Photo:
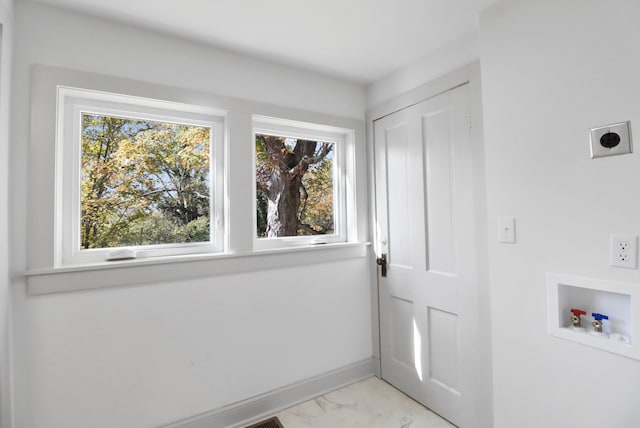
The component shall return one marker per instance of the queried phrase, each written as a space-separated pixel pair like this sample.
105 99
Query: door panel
424 206
401 322
396 155
436 141
443 352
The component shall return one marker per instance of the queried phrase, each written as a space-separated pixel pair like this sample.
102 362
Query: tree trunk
284 201
285 181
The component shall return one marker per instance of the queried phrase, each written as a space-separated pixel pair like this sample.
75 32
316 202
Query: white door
425 216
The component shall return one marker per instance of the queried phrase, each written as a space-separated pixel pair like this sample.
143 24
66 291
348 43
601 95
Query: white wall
146 355
6 47
54 37
8 5
436 64
552 70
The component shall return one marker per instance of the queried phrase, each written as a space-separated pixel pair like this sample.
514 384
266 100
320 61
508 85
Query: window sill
172 268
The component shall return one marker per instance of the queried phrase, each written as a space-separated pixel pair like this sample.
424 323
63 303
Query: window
300 184
67 105
137 177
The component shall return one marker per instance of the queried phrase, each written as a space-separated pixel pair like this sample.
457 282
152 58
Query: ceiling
357 40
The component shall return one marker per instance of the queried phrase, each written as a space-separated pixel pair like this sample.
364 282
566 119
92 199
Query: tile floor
372 403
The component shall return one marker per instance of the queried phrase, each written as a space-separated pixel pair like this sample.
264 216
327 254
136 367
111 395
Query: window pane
294 179
143 182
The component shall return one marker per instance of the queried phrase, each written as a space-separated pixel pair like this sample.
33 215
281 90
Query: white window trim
343 180
72 102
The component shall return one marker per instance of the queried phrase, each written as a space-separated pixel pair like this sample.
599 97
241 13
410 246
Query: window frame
72 103
342 176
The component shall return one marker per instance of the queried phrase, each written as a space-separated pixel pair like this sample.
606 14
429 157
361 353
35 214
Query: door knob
382 262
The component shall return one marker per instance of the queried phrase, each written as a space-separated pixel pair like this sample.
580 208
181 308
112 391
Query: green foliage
195 231
317 207
262 204
143 182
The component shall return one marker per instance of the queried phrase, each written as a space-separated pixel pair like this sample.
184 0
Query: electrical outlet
624 251
622 257
623 245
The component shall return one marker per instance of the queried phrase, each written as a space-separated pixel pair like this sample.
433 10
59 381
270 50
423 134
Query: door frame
469 74
6 363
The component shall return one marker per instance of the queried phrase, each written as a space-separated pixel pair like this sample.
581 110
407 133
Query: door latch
382 262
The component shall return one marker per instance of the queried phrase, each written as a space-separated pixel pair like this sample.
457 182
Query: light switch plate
507 230
611 140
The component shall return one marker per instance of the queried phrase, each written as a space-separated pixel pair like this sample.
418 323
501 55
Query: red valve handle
578 312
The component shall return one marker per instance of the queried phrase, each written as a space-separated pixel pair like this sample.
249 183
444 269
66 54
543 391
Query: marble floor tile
372 403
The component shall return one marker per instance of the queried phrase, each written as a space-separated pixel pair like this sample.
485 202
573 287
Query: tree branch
305 161
262 186
308 228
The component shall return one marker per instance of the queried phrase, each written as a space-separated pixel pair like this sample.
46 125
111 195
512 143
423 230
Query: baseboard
377 367
247 411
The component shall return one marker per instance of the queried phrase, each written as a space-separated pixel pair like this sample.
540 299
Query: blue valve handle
599 317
